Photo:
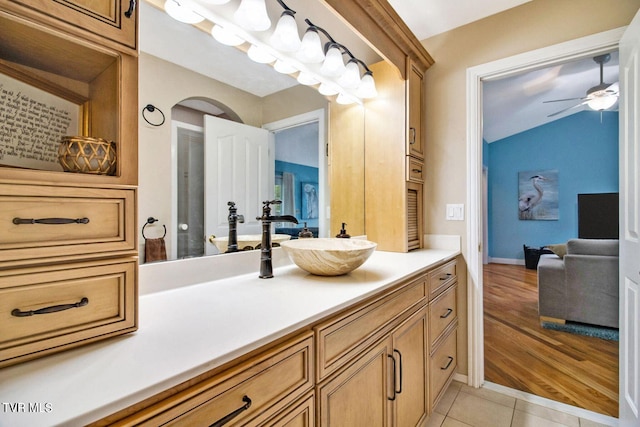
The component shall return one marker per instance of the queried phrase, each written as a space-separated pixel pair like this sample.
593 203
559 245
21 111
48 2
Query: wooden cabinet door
411 358
360 395
114 20
415 103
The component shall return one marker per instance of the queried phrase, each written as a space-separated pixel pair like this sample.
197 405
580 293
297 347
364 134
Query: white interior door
237 169
630 225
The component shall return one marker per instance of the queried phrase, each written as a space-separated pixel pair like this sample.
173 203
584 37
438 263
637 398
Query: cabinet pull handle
448 363
445 277
132 7
416 171
400 364
394 377
222 421
412 138
16 312
50 221
447 314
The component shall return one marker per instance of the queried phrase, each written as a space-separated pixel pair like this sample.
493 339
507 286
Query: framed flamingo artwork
538 195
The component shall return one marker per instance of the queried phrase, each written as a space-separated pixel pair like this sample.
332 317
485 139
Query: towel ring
151 220
151 108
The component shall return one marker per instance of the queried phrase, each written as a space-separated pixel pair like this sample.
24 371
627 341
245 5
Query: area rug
601 332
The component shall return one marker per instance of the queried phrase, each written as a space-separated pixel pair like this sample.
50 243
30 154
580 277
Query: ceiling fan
600 97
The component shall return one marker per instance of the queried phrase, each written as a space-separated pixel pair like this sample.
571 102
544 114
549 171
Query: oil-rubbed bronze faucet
234 219
266 267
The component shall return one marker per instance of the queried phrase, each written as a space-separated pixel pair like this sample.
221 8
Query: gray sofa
582 286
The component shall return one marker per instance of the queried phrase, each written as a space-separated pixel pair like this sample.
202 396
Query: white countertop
186 331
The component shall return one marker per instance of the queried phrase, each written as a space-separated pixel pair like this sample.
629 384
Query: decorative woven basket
87 155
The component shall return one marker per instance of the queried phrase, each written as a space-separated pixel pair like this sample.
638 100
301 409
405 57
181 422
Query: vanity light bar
292 56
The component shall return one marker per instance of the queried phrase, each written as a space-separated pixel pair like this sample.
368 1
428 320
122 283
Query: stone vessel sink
247 241
328 256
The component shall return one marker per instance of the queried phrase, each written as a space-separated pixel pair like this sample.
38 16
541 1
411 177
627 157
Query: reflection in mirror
180 74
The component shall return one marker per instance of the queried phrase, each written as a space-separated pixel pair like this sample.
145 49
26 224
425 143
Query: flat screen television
598 216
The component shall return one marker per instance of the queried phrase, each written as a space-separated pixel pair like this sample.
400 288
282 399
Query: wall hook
151 108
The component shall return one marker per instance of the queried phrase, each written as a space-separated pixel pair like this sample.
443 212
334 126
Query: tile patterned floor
464 406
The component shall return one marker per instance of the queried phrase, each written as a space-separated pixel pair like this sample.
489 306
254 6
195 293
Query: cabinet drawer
345 336
415 170
441 278
300 414
442 366
442 311
48 309
38 222
271 382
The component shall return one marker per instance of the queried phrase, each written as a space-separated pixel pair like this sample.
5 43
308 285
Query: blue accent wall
302 174
583 148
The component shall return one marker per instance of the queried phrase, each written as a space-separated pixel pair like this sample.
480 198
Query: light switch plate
455 212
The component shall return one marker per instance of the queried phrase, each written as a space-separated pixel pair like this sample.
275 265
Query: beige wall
533 25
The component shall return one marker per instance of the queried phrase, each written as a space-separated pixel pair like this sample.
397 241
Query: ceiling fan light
225 36
181 12
252 15
307 79
333 65
260 55
311 47
350 79
600 103
367 88
285 37
284 67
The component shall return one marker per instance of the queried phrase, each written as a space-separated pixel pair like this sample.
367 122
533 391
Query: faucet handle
231 204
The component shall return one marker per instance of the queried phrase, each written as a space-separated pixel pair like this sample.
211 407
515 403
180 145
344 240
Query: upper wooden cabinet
394 158
415 107
111 20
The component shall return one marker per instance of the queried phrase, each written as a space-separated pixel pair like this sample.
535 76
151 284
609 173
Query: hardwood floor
577 370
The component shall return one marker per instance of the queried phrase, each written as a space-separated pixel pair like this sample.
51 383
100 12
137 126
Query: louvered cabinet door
414 215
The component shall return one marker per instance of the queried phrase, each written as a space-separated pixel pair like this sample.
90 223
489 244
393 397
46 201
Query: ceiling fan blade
567 109
613 88
566 99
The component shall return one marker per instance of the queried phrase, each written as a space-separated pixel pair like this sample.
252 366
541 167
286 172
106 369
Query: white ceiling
519 96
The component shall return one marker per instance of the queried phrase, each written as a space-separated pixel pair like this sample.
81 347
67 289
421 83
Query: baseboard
552 404
510 261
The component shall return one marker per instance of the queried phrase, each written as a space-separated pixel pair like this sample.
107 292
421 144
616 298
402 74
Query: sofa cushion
560 249
607 247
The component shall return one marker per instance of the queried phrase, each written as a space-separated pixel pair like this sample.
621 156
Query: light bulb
285 37
344 99
225 36
311 47
259 54
252 15
307 79
367 88
284 67
333 66
350 79
181 12
328 89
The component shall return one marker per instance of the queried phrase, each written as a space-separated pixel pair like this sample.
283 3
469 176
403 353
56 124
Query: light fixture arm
286 8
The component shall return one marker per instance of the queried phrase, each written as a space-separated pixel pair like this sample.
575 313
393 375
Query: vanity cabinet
386 385
68 241
394 158
265 390
106 21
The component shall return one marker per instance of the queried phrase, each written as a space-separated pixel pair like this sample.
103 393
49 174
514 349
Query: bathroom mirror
185 74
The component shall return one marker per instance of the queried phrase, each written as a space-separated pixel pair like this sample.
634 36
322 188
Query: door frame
323 187
588 46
